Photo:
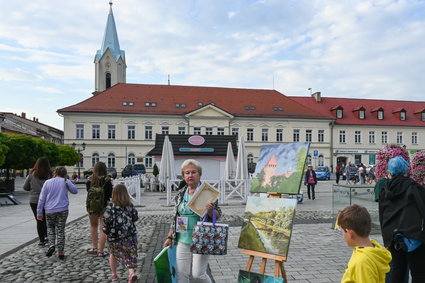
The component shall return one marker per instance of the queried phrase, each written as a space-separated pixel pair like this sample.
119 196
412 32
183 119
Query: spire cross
110 3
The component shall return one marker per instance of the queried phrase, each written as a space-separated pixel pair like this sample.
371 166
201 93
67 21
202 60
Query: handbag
210 238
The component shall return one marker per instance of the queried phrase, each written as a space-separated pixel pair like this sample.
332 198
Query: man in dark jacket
402 213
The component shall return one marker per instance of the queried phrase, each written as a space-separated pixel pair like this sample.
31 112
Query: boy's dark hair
356 218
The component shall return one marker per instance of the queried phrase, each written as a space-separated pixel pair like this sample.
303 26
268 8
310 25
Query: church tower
110 66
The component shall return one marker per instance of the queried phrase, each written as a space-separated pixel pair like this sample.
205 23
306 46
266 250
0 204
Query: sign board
196 140
316 153
195 149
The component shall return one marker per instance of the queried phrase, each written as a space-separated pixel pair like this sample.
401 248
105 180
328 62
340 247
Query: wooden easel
279 269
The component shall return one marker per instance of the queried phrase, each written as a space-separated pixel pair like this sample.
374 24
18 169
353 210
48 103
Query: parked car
323 173
133 170
112 172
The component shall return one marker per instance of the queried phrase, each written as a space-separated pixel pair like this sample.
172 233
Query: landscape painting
267 225
252 277
280 168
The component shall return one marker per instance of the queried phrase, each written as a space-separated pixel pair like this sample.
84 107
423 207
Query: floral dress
121 232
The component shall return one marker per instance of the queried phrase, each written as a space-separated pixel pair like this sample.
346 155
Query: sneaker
50 251
41 244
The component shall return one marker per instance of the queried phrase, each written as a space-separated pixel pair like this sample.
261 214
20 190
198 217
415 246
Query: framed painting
252 277
201 198
280 168
267 225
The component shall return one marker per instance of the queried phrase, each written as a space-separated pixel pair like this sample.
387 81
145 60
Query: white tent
230 165
241 161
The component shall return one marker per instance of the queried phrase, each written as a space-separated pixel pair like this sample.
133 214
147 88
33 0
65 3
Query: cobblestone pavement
316 253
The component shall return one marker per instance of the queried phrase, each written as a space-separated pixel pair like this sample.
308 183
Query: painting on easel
252 277
280 168
267 225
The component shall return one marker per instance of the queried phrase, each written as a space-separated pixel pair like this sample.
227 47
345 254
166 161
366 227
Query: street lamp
79 150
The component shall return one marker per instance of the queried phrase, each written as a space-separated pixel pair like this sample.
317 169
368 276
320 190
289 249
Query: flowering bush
385 154
417 167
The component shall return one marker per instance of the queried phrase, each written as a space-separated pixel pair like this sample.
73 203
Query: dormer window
339 113
403 115
423 115
381 114
362 114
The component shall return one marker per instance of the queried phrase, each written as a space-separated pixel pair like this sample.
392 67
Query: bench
11 197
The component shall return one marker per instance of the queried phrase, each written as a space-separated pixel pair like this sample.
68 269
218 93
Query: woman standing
33 183
310 181
54 199
120 216
99 191
402 219
185 260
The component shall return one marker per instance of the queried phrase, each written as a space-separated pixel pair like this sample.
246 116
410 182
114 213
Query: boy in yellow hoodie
370 261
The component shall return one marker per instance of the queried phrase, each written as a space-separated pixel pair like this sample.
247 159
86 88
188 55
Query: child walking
119 218
54 200
369 261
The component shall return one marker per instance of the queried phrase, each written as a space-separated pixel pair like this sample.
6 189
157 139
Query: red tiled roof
325 106
267 103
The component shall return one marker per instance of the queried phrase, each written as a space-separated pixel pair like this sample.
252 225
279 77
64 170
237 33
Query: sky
353 49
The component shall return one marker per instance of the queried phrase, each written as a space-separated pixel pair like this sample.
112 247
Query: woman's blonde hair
120 195
191 162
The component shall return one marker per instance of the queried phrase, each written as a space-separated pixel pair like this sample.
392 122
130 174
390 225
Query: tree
155 171
3 148
67 155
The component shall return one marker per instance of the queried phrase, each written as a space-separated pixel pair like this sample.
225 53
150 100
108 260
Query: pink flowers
385 154
417 167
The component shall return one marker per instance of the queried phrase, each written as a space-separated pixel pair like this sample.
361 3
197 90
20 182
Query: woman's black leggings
41 224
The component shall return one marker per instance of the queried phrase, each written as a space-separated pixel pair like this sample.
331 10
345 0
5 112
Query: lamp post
79 150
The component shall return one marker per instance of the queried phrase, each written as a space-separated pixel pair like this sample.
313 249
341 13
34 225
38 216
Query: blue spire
110 39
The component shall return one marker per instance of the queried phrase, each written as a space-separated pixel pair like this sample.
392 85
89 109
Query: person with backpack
99 192
120 216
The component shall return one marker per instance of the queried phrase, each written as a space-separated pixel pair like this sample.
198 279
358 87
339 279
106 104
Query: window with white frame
111 132
362 114
95 130
165 130
371 137
79 131
279 135
131 132
111 160
250 134
296 135
131 158
181 130
415 138
308 135
235 131
94 159
220 131
423 115
403 115
321 136
250 158
264 134
321 160
148 161
380 114
197 130
342 136
148 132
309 159
357 137
384 137
339 113
208 131
399 137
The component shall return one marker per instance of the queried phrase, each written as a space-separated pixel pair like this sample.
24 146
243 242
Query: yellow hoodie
368 265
